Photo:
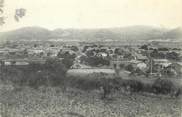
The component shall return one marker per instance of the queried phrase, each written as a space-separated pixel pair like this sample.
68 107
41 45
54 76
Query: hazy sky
94 13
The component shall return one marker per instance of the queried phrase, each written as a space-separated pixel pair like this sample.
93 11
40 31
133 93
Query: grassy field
70 102
85 72
46 93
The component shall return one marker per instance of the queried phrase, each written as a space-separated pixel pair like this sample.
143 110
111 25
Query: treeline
37 74
163 53
110 85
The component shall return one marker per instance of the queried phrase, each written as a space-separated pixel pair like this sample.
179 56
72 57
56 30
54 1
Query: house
162 62
134 63
102 54
21 63
138 64
142 66
3 52
35 51
14 62
176 66
7 63
140 57
52 52
159 64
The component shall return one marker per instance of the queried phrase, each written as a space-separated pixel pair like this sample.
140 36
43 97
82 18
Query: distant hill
174 33
27 33
125 33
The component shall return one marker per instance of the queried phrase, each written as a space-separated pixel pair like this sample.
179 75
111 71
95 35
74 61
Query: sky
54 14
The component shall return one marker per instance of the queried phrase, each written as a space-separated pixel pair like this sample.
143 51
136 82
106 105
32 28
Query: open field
85 72
56 102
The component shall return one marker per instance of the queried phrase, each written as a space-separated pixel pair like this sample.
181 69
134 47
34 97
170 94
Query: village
152 58
90 58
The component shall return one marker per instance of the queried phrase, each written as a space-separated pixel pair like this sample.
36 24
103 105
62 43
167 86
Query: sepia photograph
90 58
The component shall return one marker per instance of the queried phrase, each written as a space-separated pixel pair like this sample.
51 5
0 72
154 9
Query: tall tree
19 13
1 12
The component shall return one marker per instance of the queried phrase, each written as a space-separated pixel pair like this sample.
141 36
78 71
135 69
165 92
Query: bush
133 85
35 74
163 86
56 66
129 68
84 83
96 61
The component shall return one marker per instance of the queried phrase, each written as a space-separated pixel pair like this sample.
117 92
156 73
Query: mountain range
112 34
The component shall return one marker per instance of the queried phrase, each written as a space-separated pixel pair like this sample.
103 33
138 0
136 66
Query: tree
128 56
19 13
85 48
156 54
95 60
172 56
90 53
52 45
51 73
121 66
145 47
25 52
2 20
68 62
129 68
68 58
74 48
66 54
1 12
118 51
163 49
55 65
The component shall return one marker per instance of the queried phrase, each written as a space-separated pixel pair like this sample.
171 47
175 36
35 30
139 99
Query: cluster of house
134 57
25 53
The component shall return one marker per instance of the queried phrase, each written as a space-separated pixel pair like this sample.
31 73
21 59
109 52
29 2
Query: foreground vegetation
45 90
70 102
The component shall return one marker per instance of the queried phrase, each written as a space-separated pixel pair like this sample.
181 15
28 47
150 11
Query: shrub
84 83
129 68
147 87
132 85
163 86
35 74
